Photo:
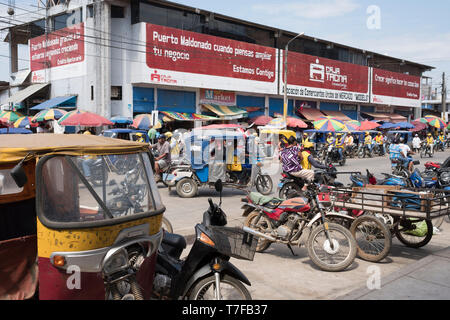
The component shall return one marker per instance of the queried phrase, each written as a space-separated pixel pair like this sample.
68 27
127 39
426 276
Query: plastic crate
235 242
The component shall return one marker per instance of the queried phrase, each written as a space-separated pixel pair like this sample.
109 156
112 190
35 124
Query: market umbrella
261 120
418 126
368 125
329 124
11 116
143 121
87 119
388 125
295 122
23 122
435 121
121 120
352 124
404 125
69 114
48 114
277 122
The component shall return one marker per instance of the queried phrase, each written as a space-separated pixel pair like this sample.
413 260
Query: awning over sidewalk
187 116
226 112
397 118
337 114
378 116
21 95
311 114
61 102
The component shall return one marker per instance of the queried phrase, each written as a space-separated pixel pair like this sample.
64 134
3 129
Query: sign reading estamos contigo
185 51
61 47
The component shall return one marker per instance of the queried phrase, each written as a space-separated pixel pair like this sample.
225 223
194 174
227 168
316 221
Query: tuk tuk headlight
118 261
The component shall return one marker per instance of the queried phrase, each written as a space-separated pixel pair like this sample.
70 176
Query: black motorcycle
364 151
351 151
206 272
425 149
378 149
333 156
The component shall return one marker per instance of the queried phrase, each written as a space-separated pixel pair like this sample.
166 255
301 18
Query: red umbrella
88 119
296 122
368 125
261 120
418 125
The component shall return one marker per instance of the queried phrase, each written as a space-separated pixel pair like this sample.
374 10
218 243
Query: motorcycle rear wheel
262 225
327 258
205 289
287 187
264 184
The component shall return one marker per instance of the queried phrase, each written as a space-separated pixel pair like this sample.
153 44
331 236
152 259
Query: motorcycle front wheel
230 289
335 257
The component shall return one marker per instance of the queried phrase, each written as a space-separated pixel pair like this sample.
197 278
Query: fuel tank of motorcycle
298 204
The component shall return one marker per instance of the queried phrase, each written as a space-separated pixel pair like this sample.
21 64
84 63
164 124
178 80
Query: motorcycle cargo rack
235 242
412 203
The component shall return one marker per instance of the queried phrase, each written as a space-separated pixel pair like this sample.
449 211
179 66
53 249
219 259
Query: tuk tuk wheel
264 184
187 188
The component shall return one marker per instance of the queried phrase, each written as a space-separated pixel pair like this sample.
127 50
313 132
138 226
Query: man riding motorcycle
348 144
398 151
340 145
291 158
330 138
430 141
162 162
441 140
305 139
379 140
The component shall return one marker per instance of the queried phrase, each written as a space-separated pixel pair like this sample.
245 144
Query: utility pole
444 96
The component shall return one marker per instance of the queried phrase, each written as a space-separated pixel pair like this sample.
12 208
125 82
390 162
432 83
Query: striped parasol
48 114
69 114
181 116
143 121
328 123
11 116
435 121
23 122
353 124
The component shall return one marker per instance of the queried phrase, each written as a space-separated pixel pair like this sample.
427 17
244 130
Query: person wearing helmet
291 159
379 140
305 139
307 160
340 145
330 138
441 140
430 141
162 162
140 137
368 140
349 142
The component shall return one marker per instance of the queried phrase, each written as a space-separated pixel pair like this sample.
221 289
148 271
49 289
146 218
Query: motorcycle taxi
61 236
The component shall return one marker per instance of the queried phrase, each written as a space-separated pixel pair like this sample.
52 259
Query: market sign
326 79
220 97
185 58
392 88
64 47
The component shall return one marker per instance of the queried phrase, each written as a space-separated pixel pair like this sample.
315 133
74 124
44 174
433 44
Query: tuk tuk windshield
96 187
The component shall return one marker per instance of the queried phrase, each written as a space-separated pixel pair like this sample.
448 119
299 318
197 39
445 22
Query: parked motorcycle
206 272
299 221
439 145
333 156
351 151
377 149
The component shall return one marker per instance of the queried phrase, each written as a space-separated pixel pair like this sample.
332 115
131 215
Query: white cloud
317 9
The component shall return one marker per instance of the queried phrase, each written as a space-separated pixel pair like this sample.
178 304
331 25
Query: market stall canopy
397 118
337 114
17 146
404 125
378 116
387 125
21 95
88 119
61 102
311 114
226 112
187 116
368 125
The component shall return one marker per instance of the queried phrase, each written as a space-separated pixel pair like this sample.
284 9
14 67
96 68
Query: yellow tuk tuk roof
14 147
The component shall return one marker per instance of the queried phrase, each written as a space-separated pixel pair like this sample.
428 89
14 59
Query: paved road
277 274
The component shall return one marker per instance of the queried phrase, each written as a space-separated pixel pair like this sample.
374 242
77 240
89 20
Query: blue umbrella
388 125
404 125
121 120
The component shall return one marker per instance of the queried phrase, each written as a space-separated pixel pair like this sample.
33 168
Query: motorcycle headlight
118 261
445 177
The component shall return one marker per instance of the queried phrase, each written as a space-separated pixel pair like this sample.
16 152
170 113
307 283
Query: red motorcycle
297 221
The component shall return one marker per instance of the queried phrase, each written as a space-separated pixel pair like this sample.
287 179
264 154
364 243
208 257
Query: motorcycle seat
173 243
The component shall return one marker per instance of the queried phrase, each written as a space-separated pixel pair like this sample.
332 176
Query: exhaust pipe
258 234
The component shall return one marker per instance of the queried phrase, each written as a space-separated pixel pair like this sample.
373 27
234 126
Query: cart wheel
404 230
373 238
186 188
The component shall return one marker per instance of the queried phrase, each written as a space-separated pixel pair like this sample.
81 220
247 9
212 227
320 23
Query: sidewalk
426 279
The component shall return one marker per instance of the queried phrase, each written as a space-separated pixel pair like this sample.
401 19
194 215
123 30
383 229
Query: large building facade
120 58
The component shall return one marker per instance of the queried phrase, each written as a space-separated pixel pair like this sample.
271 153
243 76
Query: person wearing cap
140 137
162 162
308 161
305 139
368 140
330 138
379 140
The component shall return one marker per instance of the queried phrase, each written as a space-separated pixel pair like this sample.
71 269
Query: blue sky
414 30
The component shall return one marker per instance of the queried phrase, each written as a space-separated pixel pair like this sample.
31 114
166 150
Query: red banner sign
62 47
393 84
310 76
185 51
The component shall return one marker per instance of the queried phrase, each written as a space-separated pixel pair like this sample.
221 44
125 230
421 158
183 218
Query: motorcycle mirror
218 185
19 175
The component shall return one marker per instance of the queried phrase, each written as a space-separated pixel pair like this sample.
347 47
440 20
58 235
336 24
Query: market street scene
189 150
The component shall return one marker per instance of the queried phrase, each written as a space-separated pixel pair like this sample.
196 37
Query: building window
67 19
116 93
90 11
92 93
117 12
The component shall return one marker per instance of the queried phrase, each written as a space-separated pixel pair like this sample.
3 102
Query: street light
285 75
